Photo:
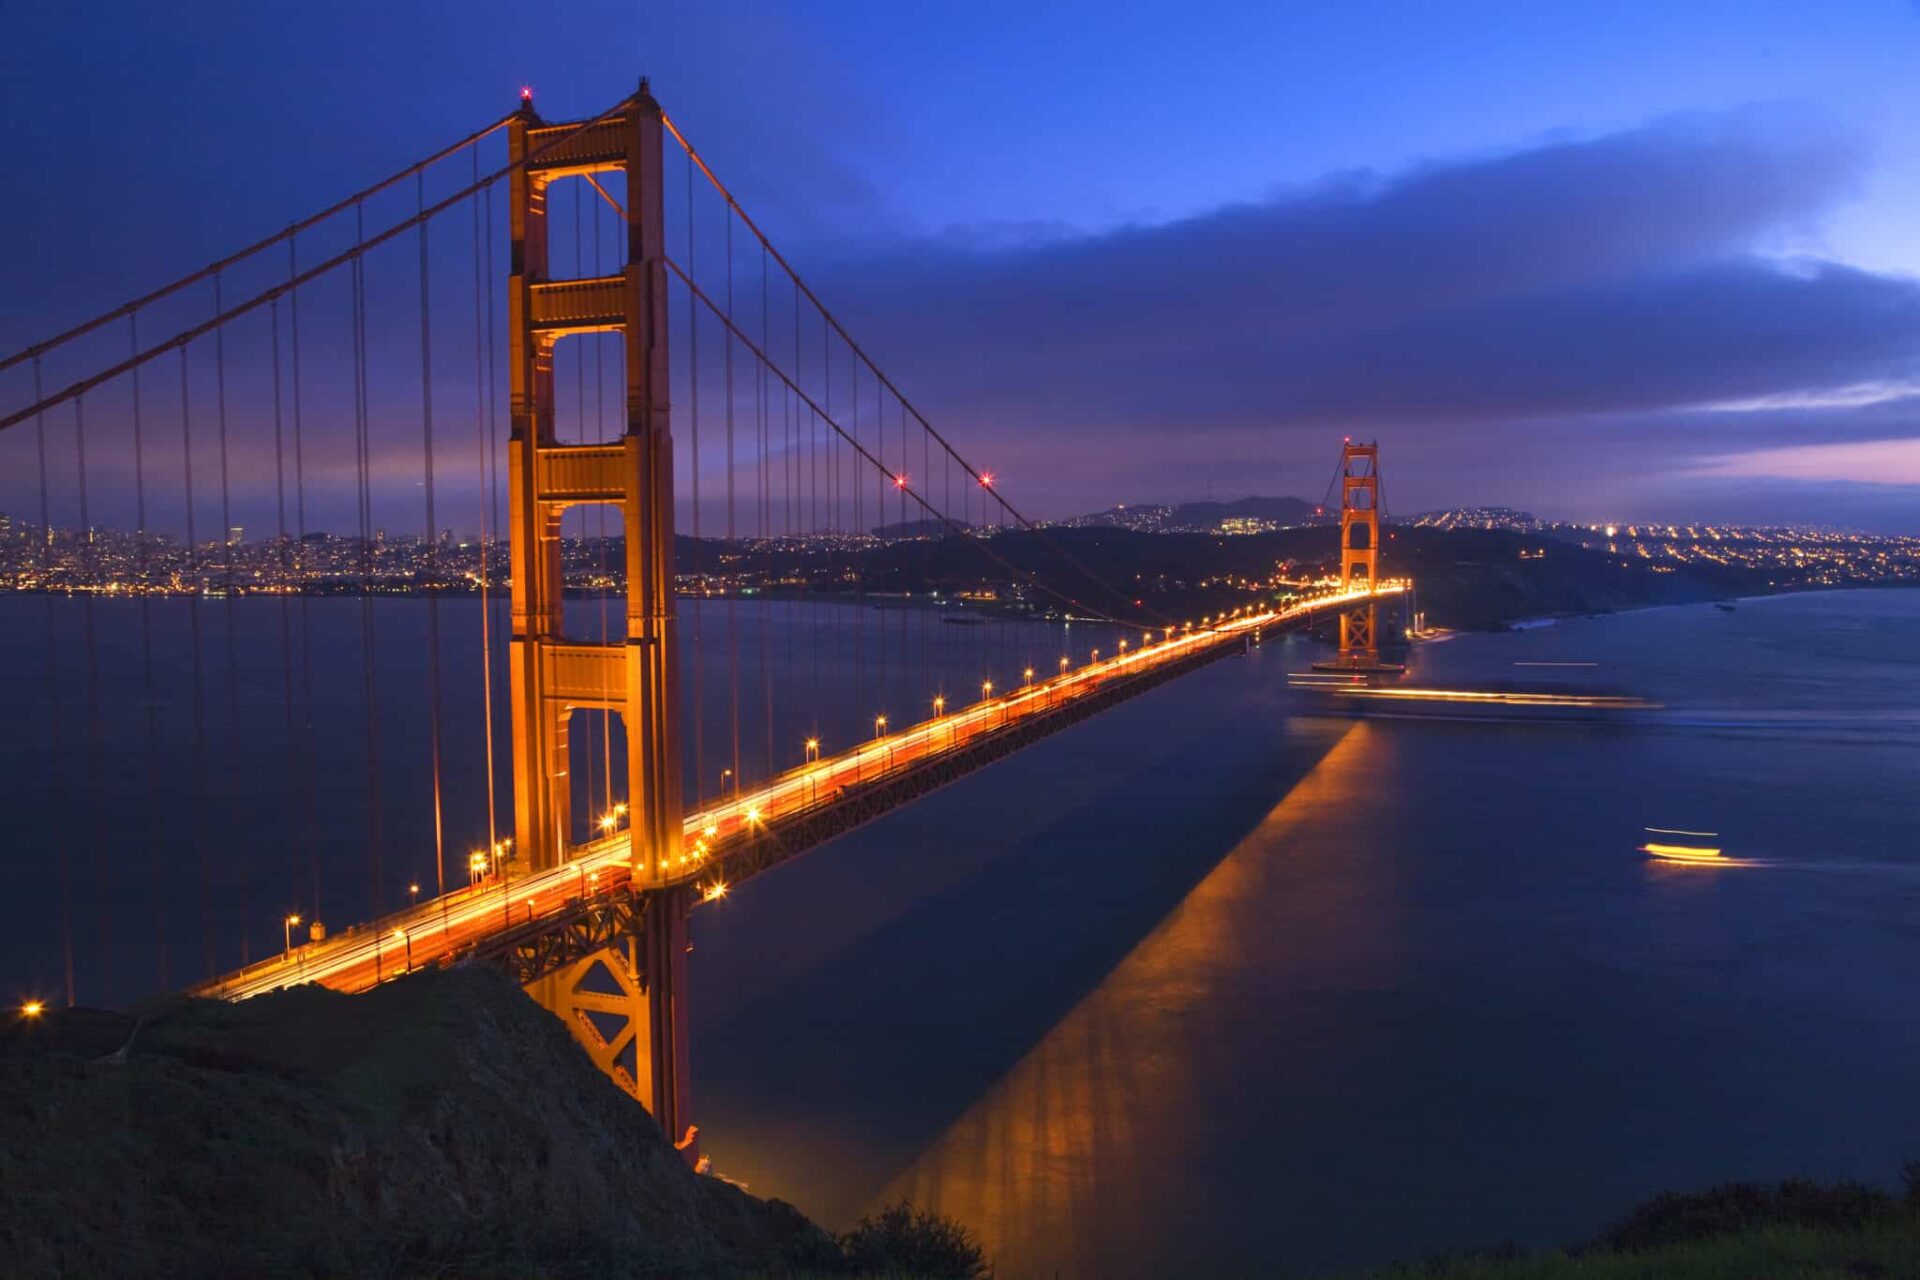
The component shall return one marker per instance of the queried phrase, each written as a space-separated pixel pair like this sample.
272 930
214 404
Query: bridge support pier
626 1004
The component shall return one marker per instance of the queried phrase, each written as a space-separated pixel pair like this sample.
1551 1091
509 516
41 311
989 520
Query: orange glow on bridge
362 957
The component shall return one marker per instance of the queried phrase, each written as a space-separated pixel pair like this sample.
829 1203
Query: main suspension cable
862 452
354 252
982 478
293 229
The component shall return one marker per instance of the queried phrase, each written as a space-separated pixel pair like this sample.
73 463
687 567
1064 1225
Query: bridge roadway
467 919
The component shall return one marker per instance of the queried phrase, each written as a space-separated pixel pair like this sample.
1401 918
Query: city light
33 1008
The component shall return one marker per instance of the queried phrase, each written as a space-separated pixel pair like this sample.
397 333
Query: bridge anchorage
1359 478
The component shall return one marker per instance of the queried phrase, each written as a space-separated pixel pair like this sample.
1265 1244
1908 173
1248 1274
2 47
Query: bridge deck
794 812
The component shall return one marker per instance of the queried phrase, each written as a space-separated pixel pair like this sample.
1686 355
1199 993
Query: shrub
918 1242
1674 1218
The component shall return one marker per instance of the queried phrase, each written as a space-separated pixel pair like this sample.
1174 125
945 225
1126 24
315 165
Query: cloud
1571 301
1508 275
1887 462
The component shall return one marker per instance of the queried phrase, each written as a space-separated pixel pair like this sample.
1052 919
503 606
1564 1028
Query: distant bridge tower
625 1003
1360 550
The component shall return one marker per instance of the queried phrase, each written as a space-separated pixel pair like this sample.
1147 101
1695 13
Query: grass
1886 1249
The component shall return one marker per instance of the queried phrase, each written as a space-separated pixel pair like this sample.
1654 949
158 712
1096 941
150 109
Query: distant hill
928 528
1208 515
1242 515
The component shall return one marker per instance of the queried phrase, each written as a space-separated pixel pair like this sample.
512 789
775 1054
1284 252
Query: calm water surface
1213 984
1217 985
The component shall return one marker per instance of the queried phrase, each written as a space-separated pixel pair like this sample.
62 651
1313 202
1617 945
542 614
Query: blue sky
1625 260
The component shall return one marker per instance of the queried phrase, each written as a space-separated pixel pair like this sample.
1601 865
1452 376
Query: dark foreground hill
442 1125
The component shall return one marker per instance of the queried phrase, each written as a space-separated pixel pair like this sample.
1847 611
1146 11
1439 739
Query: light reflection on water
1060 1140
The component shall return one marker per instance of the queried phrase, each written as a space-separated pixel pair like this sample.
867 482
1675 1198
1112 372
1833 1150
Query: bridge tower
1360 550
626 1004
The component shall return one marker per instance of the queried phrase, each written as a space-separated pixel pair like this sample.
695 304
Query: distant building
236 534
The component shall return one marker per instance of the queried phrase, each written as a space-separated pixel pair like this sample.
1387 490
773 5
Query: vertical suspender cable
94 730
858 560
369 679
733 605
699 547
493 483
762 611
308 753
201 839
237 755
59 789
155 860
482 389
289 720
433 548
791 422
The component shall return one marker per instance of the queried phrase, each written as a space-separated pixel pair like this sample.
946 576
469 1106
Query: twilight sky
1625 260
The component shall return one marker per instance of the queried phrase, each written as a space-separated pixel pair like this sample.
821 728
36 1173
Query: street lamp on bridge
287 930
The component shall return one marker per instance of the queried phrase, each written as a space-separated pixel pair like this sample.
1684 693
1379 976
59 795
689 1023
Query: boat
1667 851
1359 694
1680 852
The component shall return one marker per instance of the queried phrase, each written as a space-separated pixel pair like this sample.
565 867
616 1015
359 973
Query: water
1217 987
1212 984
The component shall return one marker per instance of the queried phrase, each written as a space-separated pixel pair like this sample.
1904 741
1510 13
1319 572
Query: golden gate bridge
609 832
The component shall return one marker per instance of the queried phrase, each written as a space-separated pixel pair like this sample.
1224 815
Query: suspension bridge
651 757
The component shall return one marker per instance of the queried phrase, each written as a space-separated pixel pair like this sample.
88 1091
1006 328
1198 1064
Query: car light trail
362 957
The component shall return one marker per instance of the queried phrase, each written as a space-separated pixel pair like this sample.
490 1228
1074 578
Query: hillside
441 1125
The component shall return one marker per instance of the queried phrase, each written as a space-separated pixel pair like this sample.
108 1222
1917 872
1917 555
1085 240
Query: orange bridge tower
626 1001
1359 477
1360 550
